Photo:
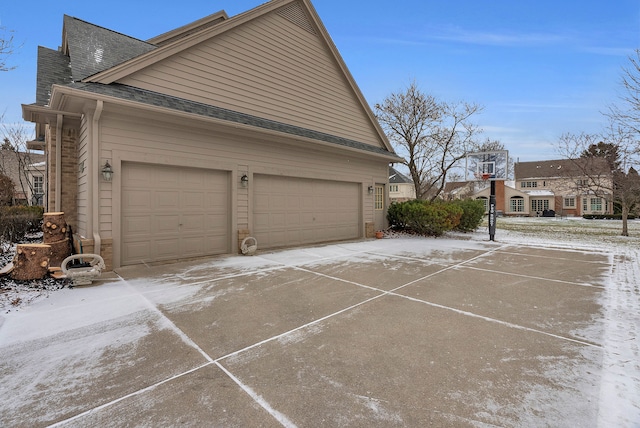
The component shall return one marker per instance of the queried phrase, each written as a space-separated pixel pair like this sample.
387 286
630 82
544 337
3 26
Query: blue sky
540 68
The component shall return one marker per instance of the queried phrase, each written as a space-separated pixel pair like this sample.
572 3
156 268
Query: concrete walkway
392 332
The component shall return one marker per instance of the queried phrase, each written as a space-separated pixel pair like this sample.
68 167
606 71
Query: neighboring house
540 188
566 187
215 131
458 190
509 200
26 170
401 187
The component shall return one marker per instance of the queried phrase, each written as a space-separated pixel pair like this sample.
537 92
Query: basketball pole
492 211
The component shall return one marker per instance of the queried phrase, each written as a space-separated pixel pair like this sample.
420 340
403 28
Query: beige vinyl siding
270 68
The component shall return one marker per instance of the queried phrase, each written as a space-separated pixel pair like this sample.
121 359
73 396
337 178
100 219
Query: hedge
17 221
435 218
607 217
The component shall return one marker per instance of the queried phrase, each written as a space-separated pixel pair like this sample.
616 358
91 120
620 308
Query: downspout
58 191
94 177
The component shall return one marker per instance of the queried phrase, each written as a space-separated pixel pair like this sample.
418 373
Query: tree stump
54 227
60 250
31 261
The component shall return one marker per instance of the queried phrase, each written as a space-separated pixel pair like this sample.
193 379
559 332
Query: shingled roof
93 49
560 168
53 69
396 177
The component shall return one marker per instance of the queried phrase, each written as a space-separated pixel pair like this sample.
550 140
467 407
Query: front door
380 213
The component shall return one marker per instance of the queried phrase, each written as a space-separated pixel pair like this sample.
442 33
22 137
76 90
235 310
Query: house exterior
216 131
509 200
401 187
557 187
27 171
571 187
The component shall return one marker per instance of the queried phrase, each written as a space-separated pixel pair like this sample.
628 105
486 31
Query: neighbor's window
539 205
379 204
584 204
486 203
38 184
393 187
524 184
570 202
596 204
517 204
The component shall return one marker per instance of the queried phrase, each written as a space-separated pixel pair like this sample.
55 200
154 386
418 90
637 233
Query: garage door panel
170 213
137 200
313 210
139 225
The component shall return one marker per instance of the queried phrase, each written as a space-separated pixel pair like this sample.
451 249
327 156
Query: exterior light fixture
370 190
244 180
107 171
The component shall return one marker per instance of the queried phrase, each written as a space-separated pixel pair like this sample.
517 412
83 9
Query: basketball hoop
484 176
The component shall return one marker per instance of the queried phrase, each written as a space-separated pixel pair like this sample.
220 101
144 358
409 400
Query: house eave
74 99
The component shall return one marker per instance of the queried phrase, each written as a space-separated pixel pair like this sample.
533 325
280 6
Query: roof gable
92 49
275 61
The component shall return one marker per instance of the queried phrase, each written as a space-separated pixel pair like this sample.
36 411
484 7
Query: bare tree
627 113
603 165
6 48
432 134
15 156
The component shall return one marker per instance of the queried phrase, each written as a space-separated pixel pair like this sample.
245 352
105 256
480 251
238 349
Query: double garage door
289 211
172 213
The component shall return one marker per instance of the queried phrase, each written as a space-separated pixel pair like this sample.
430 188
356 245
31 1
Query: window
486 203
525 184
570 202
38 184
379 201
596 204
539 205
584 204
393 187
516 204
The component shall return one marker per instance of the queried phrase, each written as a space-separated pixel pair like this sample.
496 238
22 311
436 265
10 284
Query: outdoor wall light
244 180
370 190
107 171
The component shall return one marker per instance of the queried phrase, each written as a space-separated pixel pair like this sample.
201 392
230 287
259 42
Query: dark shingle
559 168
93 49
396 177
53 69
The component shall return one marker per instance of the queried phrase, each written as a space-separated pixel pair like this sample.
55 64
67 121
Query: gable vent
295 14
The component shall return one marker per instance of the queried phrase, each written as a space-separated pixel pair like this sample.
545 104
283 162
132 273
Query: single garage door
294 211
171 213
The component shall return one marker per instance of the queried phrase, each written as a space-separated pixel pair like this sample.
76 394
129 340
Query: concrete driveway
392 332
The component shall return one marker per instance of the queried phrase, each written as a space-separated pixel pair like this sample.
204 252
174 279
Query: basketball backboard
483 166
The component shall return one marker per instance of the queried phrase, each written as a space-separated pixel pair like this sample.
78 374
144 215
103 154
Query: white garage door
293 211
171 213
